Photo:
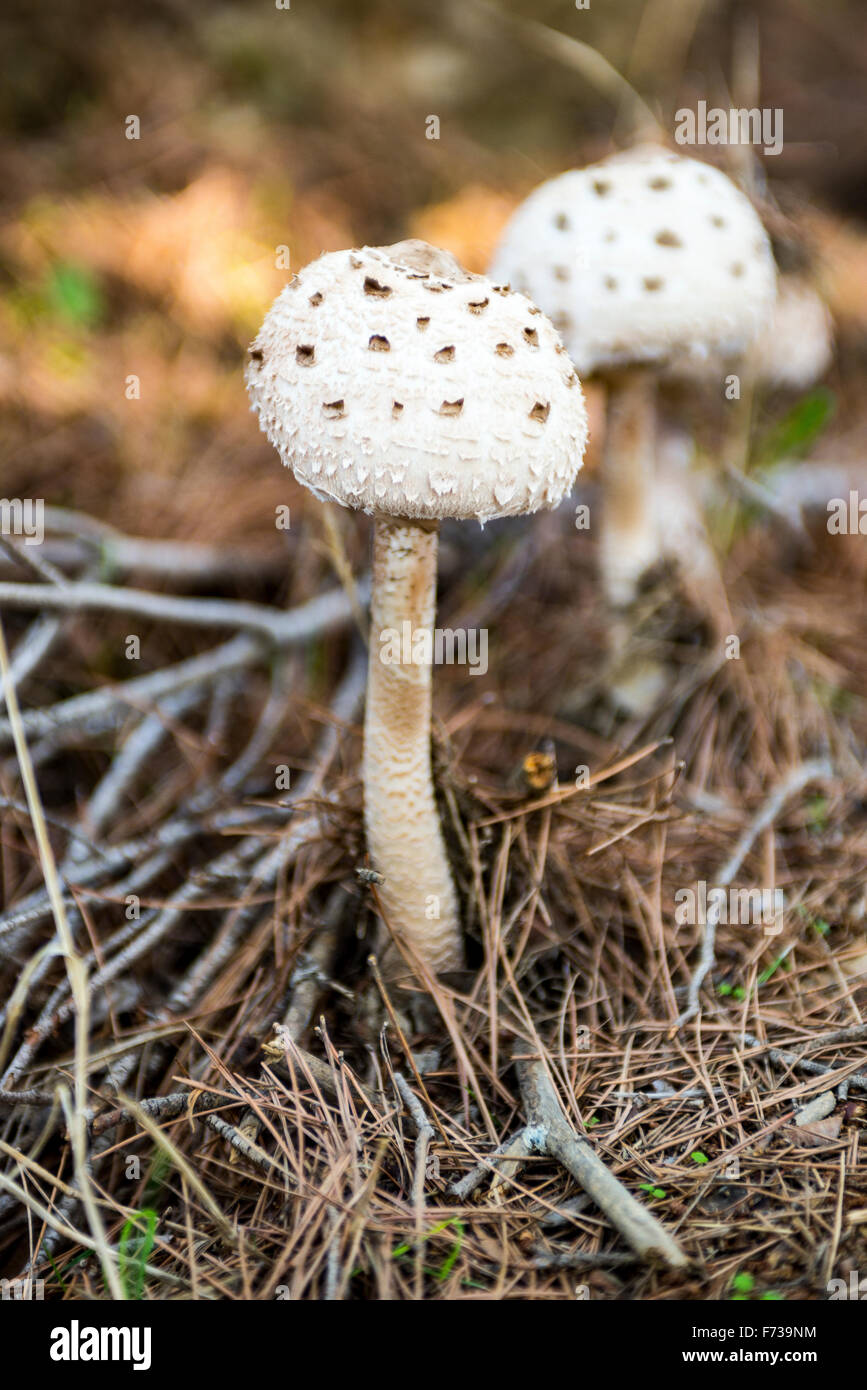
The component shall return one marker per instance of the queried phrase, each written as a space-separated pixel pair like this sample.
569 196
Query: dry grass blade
75 1110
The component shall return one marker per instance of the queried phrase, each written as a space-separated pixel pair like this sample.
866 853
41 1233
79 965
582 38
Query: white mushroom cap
391 380
793 352
645 257
797 347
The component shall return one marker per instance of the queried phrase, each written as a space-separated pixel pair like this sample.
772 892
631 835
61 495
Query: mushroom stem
403 828
629 539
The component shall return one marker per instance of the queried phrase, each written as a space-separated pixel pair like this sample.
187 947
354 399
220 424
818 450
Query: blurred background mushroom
643 261
796 348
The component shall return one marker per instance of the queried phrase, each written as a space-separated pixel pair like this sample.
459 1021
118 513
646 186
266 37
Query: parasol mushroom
644 261
396 383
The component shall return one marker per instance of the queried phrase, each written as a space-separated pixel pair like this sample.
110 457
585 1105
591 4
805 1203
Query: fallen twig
99 711
83 597
425 1133
549 1132
799 1062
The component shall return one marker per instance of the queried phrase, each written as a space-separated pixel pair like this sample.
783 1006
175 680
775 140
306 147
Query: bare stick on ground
99 711
549 1132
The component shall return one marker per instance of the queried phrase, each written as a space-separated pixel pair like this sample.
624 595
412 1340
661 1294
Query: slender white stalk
403 828
629 543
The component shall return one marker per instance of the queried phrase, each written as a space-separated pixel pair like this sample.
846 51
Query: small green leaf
134 1247
59 1277
743 1283
450 1260
443 1272
74 294
724 989
771 970
799 428
699 1157
655 1192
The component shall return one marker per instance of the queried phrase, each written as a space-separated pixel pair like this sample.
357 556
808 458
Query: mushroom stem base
404 835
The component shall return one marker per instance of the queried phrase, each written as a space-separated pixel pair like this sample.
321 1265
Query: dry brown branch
549 1132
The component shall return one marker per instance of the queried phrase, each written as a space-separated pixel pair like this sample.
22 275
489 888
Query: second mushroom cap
644 257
